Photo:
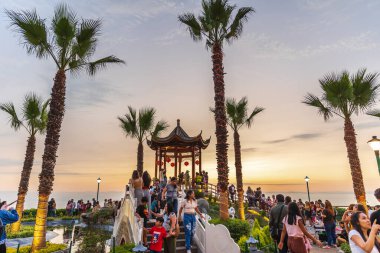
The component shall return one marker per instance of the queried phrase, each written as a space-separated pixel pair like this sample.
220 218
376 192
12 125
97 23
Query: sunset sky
285 48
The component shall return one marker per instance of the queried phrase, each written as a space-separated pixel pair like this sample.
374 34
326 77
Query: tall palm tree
70 42
217 25
237 117
139 127
34 120
343 95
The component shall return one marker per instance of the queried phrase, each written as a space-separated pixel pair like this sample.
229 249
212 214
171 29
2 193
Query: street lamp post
97 194
307 179
374 143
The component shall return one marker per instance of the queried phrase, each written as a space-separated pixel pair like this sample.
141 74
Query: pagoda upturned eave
178 137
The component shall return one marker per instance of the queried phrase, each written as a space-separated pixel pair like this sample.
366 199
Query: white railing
212 238
200 235
136 226
127 216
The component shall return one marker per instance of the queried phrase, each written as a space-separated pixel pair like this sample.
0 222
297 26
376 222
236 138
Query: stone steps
180 242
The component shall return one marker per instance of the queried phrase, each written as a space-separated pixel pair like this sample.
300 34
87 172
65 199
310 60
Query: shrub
237 227
93 240
199 194
345 247
50 248
25 231
126 248
262 234
101 217
242 243
339 213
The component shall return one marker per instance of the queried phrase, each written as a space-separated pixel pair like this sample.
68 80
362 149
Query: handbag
274 231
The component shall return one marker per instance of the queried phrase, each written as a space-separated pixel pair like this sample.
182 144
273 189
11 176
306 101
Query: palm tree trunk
53 129
140 158
24 181
239 174
353 157
220 128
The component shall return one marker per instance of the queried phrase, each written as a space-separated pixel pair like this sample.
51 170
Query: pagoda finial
178 122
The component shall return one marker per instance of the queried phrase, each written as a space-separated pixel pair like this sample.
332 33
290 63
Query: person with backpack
8 215
277 214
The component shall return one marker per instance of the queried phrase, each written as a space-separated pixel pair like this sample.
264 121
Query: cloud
248 150
305 136
171 37
266 47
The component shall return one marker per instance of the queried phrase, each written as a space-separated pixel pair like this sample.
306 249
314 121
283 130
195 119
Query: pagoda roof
179 138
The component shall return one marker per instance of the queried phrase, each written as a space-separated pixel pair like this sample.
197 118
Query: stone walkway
320 250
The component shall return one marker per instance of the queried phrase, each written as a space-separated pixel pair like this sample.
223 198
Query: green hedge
50 248
126 248
345 247
237 227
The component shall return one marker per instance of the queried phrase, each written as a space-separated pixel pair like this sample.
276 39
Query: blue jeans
189 223
174 201
330 232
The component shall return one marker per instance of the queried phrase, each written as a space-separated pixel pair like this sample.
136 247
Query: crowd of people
158 199
288 221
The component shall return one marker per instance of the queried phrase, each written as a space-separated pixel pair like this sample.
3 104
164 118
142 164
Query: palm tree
69 42
139 127
217 25
34 119
237 116
343 95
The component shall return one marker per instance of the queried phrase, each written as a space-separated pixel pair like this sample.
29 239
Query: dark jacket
274 212
7 217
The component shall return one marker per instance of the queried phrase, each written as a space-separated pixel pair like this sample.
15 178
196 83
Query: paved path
320 250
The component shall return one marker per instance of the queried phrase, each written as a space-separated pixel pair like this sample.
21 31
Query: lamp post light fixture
307 179
97 194
374 143
251 245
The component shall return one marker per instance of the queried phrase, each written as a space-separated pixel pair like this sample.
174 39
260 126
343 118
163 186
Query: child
158 234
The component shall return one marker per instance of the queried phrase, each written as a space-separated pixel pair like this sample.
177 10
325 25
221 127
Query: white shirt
355 248
189 206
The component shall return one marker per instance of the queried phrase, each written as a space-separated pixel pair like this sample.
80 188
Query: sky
286 46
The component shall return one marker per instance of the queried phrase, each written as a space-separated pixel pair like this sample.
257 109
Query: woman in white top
190 207
362 237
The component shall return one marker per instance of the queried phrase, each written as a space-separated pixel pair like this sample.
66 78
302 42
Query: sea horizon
31 200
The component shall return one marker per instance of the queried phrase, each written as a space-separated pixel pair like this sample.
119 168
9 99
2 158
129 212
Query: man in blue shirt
7 216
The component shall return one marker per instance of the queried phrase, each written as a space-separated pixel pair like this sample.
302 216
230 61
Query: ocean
61 198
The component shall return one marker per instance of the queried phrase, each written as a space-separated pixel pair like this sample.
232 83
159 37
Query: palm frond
231 112
31 110
95 66
236 27
64 25
255 111
323 109
146 119
160 127
9 108
33 31
365 90
86 39
375 113
129 123
42 122
193 25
